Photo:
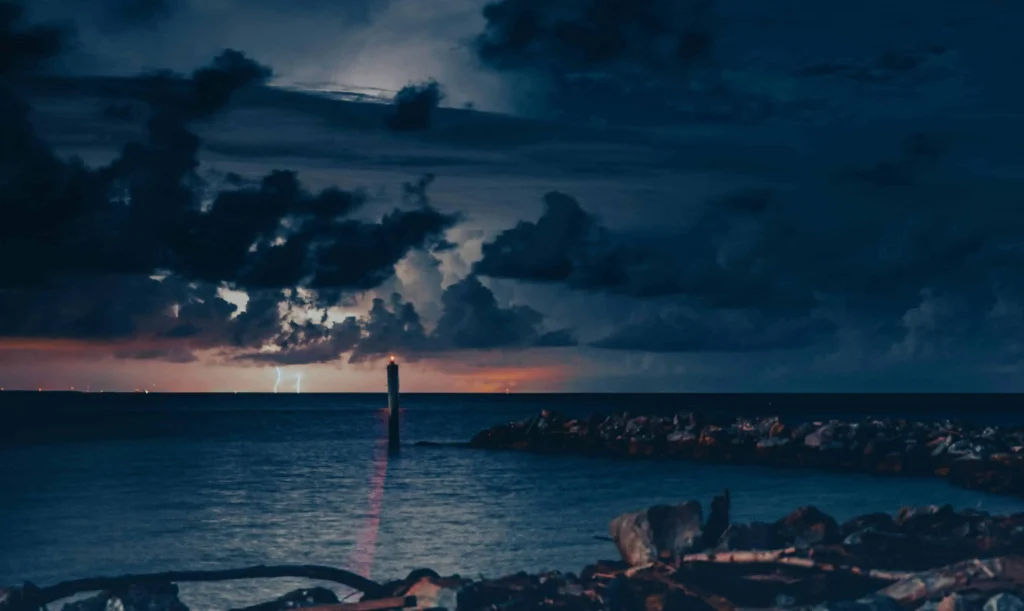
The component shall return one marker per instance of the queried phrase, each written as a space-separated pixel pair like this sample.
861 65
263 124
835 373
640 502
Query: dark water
109 484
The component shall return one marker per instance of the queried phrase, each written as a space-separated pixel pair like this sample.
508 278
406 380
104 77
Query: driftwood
991 575
783 557
740 557
778 557
38 597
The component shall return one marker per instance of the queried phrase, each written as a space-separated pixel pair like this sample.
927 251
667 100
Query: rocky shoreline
672 557
989 459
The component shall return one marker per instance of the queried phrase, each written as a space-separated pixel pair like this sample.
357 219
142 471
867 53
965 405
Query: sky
520 195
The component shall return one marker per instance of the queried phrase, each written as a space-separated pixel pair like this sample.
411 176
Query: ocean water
109 484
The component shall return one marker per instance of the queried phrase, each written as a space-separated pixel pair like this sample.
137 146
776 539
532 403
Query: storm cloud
414 105
471 319
87 237
566 36
708 183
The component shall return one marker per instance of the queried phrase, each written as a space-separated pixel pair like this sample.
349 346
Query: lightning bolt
298 382
278 382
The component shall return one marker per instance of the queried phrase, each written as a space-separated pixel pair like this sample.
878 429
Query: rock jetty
981 458
673 557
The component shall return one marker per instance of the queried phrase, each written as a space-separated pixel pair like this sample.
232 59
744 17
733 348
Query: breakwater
989 459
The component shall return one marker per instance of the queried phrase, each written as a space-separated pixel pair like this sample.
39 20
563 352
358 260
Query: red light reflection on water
361 561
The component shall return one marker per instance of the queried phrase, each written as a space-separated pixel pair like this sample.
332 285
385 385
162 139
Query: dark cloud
568 36
686 330
167 354
141 317
64 218
613 60
471 319
119 113
568 245
311 343
414 105
885 69
25 47
88 239
390 329
138 13
150 209
417 191
765 269
919 154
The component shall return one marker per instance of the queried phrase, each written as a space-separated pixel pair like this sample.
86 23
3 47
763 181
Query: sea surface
104 484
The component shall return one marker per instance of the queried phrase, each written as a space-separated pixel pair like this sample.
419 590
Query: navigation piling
393 440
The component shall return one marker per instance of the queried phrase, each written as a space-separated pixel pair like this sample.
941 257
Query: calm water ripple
94 485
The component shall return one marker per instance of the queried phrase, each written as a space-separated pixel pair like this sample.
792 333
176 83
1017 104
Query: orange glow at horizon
502 379
50 364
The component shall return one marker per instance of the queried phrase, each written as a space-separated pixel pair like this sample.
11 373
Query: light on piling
393 437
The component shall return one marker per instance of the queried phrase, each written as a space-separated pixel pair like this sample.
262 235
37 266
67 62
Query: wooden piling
393 437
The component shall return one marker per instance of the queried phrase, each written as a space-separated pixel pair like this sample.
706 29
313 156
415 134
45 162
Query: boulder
820 437
718 520
1004 602
753 536
661 531
808 526
136 597
632 535
878 522
430 594
956 602
676 529
15 598
873 602
772 442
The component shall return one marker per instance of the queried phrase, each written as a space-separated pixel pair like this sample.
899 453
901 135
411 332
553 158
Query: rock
718 520
808 526
873 602
877 602
297 599
906 513
753 536
878 522
661 531
823 435
431 595
1004 602
635 425
680 436
940 447
15 598
955 602
136 597
632 535
989 459
676 529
